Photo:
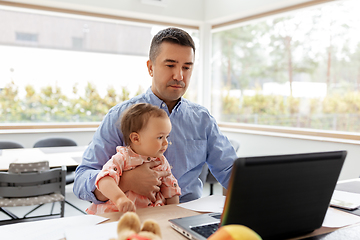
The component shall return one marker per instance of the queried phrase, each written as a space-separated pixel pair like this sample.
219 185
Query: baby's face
153 137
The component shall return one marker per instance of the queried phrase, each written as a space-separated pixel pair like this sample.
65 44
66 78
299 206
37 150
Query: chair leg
211 188
33 210
10 214
62 208
52 208
75 207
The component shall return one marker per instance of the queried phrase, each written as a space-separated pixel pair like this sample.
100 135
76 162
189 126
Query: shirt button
148 158
163 105
115 169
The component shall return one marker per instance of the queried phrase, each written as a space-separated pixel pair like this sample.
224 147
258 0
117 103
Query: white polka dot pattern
29 167
29 201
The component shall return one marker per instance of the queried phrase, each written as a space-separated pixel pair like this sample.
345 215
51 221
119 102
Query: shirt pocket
196 152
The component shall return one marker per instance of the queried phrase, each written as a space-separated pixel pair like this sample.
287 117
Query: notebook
279 197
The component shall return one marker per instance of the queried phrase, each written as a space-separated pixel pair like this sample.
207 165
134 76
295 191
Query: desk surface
161 215
57 156
164 213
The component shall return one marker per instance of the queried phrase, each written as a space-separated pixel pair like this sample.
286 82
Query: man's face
171 72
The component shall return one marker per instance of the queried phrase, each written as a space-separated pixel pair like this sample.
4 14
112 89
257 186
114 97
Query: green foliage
9 103
312 45
335 112
50 105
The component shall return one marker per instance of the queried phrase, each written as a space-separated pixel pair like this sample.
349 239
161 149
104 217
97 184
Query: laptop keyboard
206 230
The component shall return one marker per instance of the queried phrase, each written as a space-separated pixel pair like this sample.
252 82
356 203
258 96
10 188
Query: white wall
173 11
219 11
257 143
29 138
185 11
251 144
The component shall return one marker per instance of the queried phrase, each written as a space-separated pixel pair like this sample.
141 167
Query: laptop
278 197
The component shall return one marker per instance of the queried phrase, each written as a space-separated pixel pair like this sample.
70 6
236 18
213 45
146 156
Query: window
77 43
27 37
299 69
78 69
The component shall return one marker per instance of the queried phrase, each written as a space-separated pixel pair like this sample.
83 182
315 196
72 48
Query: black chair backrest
55 142
10 145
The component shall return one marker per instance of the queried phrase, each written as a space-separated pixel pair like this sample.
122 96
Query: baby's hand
125 205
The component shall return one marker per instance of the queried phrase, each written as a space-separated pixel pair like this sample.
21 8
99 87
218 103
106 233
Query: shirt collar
154 100
140 156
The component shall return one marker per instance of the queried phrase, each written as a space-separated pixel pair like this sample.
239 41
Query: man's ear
135 138
150 67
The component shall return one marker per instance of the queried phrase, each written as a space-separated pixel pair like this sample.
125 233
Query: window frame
205 30
326 135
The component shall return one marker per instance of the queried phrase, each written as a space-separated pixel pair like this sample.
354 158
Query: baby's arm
108 187
172 200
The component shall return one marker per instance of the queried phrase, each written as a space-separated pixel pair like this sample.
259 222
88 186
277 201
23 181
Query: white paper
345 198
52 229
338 218
103 231
212 203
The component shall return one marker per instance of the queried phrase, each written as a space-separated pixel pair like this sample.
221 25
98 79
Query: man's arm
99 151
221 154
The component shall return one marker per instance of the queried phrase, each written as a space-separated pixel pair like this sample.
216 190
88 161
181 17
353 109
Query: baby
145 128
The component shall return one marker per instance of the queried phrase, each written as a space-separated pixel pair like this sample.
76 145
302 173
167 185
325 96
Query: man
195 138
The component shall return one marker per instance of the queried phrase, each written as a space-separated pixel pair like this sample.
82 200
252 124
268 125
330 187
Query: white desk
57 156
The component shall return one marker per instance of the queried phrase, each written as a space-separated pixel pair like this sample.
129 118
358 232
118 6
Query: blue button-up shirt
195 139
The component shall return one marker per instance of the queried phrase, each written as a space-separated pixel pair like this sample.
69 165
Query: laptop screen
282 196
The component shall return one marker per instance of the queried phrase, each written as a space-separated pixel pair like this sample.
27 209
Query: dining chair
31 184
10 145
61 142
55 142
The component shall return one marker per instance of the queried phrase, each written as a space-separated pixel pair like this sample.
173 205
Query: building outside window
26 37
61 68
297 69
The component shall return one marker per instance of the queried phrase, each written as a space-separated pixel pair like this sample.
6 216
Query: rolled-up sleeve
113 168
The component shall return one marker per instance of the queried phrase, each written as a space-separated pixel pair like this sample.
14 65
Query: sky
65 68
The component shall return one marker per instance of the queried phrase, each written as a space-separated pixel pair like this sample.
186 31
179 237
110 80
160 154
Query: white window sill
295 133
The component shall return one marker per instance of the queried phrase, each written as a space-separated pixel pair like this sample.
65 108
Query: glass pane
300 69
67 68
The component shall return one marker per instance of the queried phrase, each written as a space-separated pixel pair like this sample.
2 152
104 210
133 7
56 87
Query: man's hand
143 180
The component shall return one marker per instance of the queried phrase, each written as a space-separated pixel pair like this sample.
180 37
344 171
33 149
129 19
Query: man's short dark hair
171 35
